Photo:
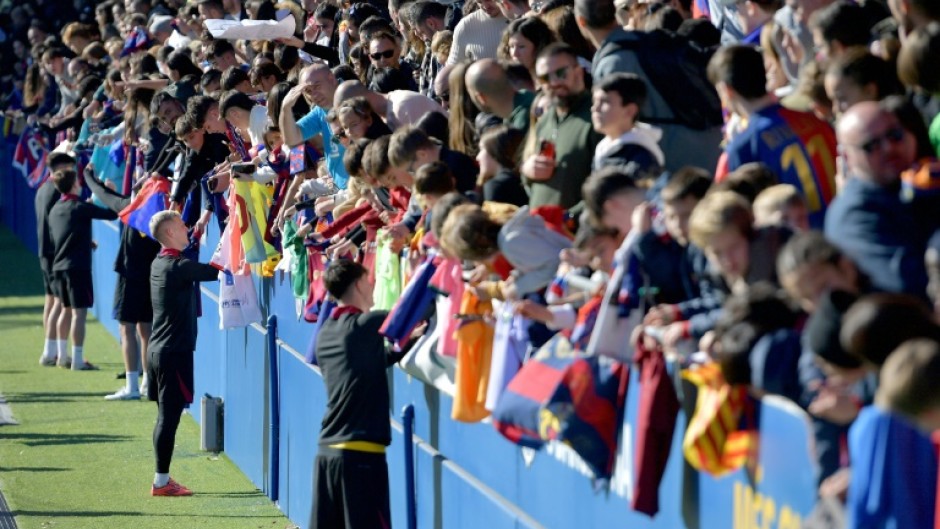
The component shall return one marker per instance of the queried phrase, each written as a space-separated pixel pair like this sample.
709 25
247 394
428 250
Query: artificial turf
77 461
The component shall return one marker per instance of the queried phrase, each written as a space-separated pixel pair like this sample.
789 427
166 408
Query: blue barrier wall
467 475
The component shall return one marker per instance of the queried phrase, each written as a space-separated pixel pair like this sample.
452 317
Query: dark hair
198 107
844 22
912 121
629 86
427 10
434 178
360 12
377 28
563 22
804 249
700 31
286 58
535 30
179 61
744 319
741 68
597 14
863 69
687 182
218 48
557 48
64 180
235 99
344 72
504 144
352 158
388 79
442 209
263 70
662 16
234 76
877 324
341 275
55 159
375 160
435 125
209 77
603 185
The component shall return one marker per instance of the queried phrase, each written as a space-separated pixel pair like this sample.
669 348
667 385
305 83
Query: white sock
50 349
77 360
145 381
62 349
160 480
131 381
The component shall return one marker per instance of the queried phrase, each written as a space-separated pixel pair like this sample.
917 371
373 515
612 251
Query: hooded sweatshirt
639 145
532 249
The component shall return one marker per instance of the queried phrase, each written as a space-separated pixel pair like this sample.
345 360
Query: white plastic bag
238 301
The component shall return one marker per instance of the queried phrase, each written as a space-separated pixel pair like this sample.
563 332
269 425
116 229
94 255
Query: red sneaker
170 489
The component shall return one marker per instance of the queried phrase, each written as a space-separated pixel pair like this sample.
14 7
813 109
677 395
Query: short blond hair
908 378
718 212
776 199
158 220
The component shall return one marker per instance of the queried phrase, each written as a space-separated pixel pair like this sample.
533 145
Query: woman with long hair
522 41
463 113
500 152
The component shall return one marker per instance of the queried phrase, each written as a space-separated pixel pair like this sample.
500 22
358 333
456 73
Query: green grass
78 461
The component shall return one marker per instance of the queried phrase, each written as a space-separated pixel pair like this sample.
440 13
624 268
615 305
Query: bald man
398 107
492 92
867 219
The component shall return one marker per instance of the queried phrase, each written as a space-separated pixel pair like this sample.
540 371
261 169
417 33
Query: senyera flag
30 156
152 198
138 40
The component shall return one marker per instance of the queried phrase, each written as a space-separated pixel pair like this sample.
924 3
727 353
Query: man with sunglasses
797 146
868 219
564 133
385 52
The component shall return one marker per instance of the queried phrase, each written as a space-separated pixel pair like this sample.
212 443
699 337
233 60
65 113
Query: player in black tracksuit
132 306
350 474
173 340
70 227
46 197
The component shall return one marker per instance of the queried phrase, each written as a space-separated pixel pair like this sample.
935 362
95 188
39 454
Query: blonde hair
774 200
441 43
158 220
719 212
907 381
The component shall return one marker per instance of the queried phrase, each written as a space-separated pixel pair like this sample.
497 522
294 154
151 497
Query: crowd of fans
756 180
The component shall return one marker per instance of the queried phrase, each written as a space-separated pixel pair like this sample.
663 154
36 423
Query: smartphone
243 168
547 149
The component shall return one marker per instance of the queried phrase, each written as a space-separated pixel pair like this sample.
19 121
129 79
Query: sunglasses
894 135
560 74
379 55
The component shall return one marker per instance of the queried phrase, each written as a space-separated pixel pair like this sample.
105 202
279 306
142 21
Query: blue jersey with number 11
798 147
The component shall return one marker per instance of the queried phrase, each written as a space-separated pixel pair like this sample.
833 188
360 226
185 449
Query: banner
30 156
153 198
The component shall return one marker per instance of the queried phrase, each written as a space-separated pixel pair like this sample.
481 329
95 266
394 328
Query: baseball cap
160 23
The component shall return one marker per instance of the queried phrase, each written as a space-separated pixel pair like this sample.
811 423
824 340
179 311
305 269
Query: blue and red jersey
798 147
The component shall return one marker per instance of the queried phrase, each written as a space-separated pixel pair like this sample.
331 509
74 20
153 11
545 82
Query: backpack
677 68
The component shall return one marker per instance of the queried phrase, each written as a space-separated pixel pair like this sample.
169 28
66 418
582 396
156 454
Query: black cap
821 333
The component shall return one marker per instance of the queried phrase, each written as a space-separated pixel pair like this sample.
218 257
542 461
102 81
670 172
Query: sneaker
170 489
48 361
86 366
123 394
